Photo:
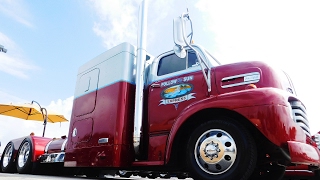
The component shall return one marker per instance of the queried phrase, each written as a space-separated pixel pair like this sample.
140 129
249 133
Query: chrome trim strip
103 140
52 158
47 146
248 78
64 145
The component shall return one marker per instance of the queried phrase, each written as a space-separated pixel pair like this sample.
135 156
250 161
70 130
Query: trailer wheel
7 159
269 171
221 149
24 164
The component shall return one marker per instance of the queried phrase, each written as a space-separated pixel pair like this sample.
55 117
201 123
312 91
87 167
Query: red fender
262 107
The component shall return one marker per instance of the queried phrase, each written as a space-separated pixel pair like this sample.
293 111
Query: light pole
2 49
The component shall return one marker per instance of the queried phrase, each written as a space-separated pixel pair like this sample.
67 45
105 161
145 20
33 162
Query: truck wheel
24 156
221 149
269 171
7 164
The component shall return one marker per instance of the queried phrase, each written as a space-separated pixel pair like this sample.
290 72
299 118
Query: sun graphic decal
176 94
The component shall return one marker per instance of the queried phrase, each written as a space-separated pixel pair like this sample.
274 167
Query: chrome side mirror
178 31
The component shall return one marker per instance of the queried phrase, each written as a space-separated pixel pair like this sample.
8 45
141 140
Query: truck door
176 83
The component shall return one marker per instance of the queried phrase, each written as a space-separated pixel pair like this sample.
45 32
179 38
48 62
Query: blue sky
48 40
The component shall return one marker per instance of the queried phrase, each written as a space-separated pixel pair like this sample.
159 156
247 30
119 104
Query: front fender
230 101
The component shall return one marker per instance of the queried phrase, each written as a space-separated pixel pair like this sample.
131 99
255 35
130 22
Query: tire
143 174
182 176
153 175
7 159
221 149
269 171
317 174
124 173
24 162
165 176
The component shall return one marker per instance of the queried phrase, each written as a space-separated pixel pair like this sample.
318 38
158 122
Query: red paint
38 144
148 163
157 146
55 145
302 153
299 171
111 118
16 145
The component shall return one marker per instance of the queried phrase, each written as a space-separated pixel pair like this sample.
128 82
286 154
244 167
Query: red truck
179 114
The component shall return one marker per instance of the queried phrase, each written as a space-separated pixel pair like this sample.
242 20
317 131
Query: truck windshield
286 82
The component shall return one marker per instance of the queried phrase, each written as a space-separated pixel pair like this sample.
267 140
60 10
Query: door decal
176 94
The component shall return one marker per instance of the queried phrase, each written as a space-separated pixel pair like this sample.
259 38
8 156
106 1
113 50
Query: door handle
155 85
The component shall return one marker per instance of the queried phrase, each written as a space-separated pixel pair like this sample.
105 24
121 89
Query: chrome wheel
23 154
215 151
7 156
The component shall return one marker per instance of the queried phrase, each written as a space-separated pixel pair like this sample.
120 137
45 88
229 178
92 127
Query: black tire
153 175
269 171
221 149
7 159
143 174
24 162
182 176
317 174
124 173
164 176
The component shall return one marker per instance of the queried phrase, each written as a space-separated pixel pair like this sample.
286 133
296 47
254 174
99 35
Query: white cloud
62 106
12 62
118 20
16 10
284 33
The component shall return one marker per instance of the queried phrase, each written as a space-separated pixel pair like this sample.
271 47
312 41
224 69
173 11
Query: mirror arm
206 75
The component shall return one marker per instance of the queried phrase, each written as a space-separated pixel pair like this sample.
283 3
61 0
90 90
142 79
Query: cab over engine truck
180 114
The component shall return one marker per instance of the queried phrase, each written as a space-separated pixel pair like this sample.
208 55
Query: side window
173 63
170 64
192 59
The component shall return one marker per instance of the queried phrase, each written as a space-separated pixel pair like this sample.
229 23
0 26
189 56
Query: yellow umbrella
31 112
54 117
23 111
50 116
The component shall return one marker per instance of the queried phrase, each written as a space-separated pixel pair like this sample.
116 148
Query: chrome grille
300 116
317 140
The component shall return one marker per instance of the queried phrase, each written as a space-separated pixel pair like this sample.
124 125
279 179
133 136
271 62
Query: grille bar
299 113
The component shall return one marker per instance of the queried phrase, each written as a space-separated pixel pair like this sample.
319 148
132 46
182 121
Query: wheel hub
23 154
215 151
7 156
211 151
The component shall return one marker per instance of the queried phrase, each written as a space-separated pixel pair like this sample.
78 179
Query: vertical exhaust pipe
140 64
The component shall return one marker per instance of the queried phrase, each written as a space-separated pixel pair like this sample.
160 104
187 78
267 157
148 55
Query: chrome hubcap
7 156
23 154
215 151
